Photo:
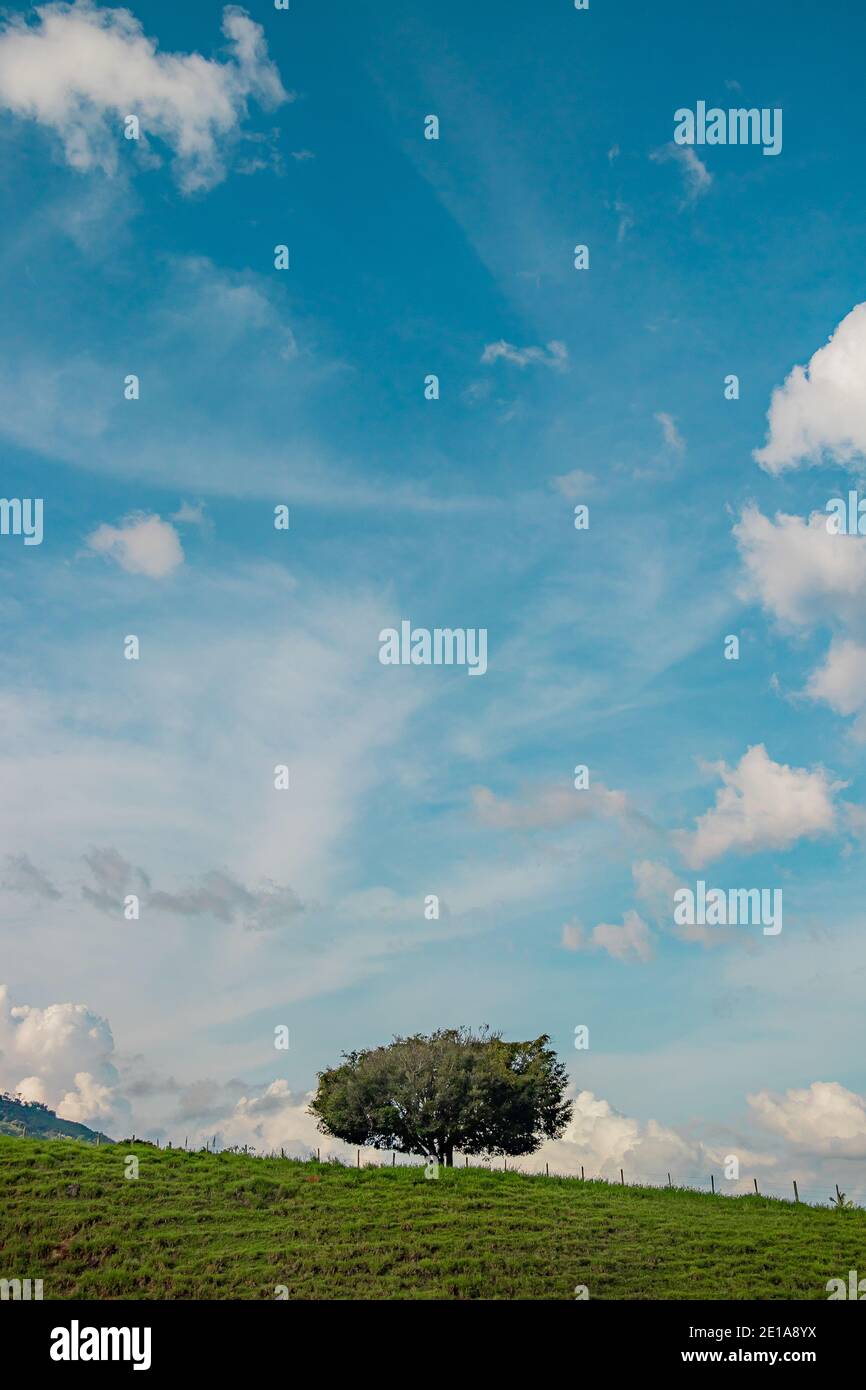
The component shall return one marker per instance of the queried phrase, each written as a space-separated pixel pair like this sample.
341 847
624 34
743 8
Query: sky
165 389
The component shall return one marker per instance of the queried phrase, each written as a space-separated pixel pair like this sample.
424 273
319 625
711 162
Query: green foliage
230 1226
451 1090
19 1117
840 1202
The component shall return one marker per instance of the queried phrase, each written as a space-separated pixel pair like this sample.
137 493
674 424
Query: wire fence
811 1194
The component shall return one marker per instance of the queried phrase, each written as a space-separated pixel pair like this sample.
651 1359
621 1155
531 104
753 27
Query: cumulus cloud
630 940
762 805
841 682
799 571
820 410
267 1117
545 807
554 355
140 545
821 1119
603 1140
62 1055
805 575
81 69
696 176
275 1118
598 1138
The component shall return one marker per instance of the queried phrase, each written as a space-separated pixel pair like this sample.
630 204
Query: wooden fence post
546 1171
713 1184
757 1193
621 1179
670 1184
796 1193
581 1172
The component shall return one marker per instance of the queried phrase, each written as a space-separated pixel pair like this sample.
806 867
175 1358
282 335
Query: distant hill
28 1119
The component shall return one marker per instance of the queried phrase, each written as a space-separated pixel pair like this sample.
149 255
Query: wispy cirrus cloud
554 355
696 176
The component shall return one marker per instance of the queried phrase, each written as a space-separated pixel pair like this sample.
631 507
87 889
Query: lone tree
452 1090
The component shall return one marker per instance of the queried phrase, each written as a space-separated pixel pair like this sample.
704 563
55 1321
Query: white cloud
821 408
630 940
140 545
762 805
573 936
215 705
555 355
655 885
598 1139
189 514
799 571
574 485
278 1118
601 1140
841 682
545 807
672 437
696 175
81 70
228 311
822 1119
63 1056
626 219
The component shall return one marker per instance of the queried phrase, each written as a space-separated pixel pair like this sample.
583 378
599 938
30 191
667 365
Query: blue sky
605 646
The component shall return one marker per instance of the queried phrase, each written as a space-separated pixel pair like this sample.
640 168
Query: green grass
230 1226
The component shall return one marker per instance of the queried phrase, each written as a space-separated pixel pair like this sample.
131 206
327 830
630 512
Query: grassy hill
201 1225
18 1120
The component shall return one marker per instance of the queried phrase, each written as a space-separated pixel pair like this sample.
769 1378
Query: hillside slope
196 1225
19 1120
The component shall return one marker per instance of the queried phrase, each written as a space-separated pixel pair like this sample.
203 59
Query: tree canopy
450 1090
